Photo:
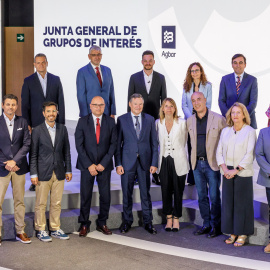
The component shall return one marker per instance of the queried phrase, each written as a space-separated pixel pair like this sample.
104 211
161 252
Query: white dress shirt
52 131
43 82
241 77
10 125
134 120
148 81
95 121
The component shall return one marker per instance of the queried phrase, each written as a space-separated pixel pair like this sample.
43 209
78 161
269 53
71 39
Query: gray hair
135 96
40 55
95 47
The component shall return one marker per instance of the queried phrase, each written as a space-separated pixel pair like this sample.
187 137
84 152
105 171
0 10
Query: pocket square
19 129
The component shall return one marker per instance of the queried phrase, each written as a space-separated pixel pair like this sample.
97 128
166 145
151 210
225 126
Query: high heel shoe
168 229
241 240
176 229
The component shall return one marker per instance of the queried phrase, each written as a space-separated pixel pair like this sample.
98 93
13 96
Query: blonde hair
246 119
161 112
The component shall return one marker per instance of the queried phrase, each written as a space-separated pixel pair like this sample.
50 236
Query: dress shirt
139 119
201 135
95 120
148 81
52 131
94 67
43 82
241 77
168 138
10 125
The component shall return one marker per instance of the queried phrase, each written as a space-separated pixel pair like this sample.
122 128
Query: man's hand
100 168
10 164
153 169
68 176
15 169
120 170
112 116
92 169
30 129
34 181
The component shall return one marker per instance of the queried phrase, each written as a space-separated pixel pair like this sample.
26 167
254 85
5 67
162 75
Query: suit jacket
187 106
46 158
88 86
262 151
248 95
33 98
157 93
244 149
15 149
128 146
89 152
178 145
215 123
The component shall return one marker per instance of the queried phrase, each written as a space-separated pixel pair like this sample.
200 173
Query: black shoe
150 228
155 179
191 184
124 228
214 232
32 187
203 230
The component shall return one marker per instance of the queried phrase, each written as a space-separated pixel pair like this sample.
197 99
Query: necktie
99 76
98 131
238 84
137 127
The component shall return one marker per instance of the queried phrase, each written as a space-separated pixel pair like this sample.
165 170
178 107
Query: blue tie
137 127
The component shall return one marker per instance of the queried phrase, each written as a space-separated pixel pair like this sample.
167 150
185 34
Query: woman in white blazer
173 161
235 155
195 81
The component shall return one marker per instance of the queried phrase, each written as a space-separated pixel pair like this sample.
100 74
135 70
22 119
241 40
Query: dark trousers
190 178
172 186
104 186
237 214
127 182
268 199
206 178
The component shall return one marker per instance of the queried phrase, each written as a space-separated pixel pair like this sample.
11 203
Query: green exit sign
20 37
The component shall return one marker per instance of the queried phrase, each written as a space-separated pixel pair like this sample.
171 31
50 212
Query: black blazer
157 93
15 149
46 158
33 98
89 152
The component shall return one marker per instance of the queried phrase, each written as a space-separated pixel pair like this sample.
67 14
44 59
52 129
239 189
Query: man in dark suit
96 140
152 86
136 153
14 145
95 80
40 87
50 165
239 87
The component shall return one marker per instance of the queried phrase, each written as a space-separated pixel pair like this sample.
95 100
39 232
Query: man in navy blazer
262 151
239 87
96 140
14 145
136 153
95 80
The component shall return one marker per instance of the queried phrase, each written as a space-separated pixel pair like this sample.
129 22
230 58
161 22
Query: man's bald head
199 102
97 106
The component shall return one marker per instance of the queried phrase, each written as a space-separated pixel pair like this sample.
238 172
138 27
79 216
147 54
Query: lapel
104 76
3 125
38 85
47 135
93 73
15 128
194 128
243 84
57 134
103 127
233 85
91 128
175 129
143 125
209 122
49 82
154 81
131 125
142 82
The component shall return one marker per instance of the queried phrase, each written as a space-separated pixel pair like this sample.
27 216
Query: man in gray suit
263 158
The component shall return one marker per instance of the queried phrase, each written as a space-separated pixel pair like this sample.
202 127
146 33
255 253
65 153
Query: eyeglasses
98 105
195 71
98 55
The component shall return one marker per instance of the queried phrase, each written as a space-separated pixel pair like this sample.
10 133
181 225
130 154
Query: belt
202 158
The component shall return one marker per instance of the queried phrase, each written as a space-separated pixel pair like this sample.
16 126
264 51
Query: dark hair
48 104
239 55
136 95
40 55
148 52
10 96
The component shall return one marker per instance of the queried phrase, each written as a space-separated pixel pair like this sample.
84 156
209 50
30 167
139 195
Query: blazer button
12 145
173 148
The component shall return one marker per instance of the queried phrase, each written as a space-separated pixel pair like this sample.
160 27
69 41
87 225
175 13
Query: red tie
99 76
238 84
98 131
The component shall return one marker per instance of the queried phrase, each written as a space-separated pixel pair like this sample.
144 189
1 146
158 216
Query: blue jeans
206 178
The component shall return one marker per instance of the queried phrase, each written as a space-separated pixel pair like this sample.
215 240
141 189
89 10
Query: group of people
149 139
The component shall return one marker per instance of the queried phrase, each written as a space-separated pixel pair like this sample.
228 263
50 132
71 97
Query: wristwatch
238 169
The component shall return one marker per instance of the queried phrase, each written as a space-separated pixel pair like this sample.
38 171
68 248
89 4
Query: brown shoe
267 248
23 238
104 229
84 230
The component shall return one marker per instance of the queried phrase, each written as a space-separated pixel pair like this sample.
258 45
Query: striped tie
137 127
238 84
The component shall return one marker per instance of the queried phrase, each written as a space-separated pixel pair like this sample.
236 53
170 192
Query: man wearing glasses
96 140
95 80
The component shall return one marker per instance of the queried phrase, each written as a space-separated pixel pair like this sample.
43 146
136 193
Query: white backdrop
209 32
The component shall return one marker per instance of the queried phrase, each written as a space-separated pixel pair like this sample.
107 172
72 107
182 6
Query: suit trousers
55 187
268 199
237 213
18 188
104 188
172 186
127 182
190 178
